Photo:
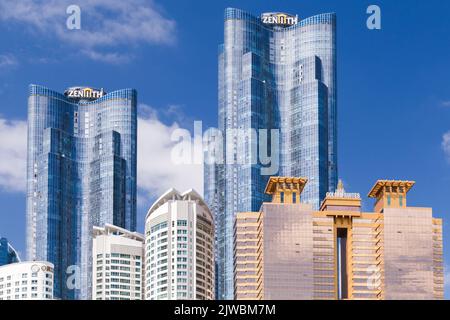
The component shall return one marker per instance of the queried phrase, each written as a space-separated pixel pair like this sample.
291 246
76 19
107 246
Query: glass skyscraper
81 172
8 254
276 71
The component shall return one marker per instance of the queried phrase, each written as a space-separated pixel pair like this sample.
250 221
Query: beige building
288 251
118 257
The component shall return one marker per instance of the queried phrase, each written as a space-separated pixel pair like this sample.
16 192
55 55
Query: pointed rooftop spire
340 187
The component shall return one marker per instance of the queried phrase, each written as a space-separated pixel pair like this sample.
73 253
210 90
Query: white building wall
117 264
171 248
31 280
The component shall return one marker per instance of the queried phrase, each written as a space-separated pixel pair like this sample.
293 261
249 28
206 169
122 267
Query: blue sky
393 87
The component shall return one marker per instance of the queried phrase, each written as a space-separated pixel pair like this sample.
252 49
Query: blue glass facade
7 253
81 172
272 77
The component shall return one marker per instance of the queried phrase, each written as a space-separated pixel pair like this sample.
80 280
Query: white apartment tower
117 264
179 248
31 280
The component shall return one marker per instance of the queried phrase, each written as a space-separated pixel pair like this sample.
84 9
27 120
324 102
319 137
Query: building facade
276 72
31 280
118 258
179 248
287 250
246 235
81 172
7 253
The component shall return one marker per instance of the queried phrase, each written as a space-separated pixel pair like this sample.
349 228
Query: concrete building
247 228
118 257
179 248
31 280
289 251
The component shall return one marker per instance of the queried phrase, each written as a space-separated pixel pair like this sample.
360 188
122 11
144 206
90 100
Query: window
388 200
182 223
294 197
282 197
400 200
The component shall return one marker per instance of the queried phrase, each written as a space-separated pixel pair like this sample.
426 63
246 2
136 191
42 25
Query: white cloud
156 170
7 60
108 57
173 113
13 151
104 23
446 145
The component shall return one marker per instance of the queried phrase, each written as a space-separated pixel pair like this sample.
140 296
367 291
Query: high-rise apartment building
287 250
118 258
81 172
7 253
30 280
179 248
276 71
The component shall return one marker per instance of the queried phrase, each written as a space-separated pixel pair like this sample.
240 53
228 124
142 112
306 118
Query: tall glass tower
81 172
276 71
